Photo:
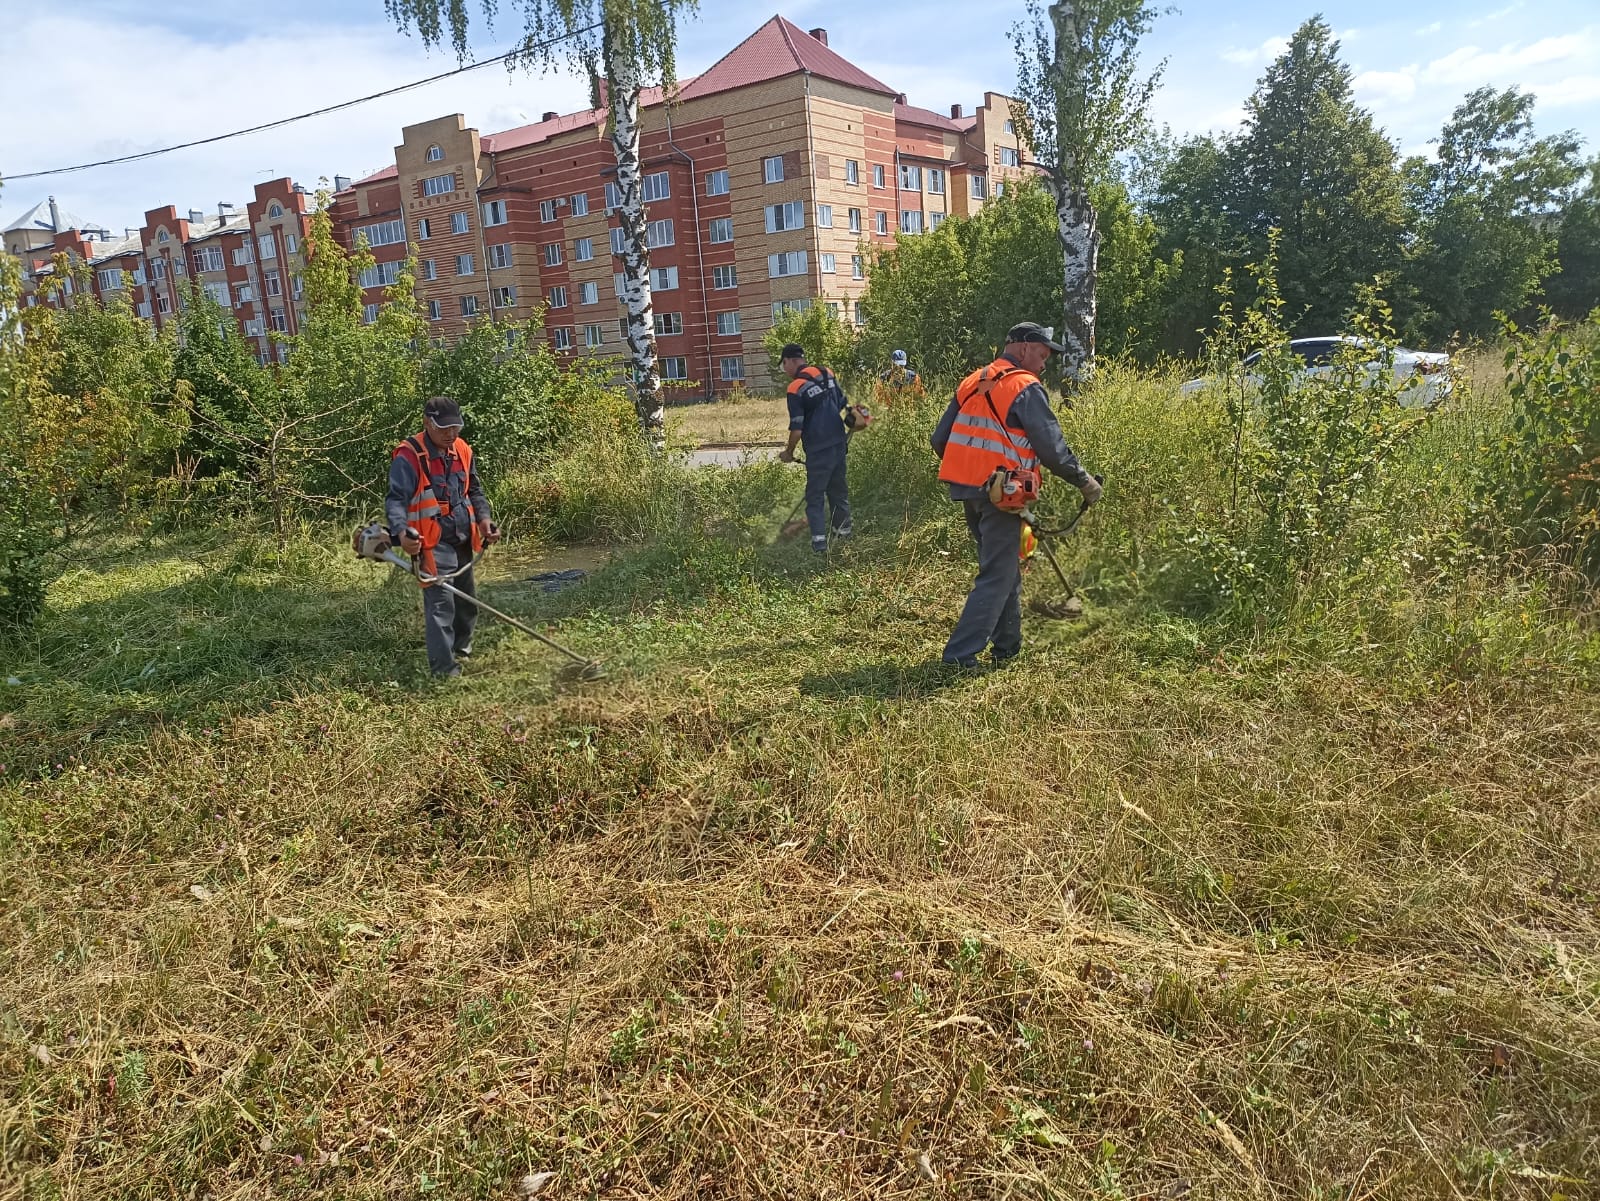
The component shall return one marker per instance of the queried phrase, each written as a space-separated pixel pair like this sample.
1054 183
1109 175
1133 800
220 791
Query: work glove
1091 491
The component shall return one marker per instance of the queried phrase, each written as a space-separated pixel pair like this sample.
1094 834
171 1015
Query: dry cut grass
750 420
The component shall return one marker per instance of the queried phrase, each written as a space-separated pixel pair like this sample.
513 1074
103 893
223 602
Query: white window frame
290 243
439 185
911 221
547 211
499 255
430 269
853 217
786 264
467 261
717 183
910 177
1010 156
656 186
369 314
828 263
580 204
494 212
668 325
720 225
663 279
729 273
459 223
272 283
219 292
381 275
583 250
787 216
824 216
852 171
266 246
424 230
730 369
858 266
504 297
978 187
561 336
469 305
381 233
613 197
552 254
728 325
659 233
435 154
558 297
936 181
588 292
617 235
881 222
209 258
674 367
772 169
434 311
110 278
594 336
877 176
279 322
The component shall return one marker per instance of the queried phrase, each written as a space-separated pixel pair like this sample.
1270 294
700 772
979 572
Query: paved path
732 456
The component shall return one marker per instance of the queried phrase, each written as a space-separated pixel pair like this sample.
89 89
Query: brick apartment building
250 259
766 181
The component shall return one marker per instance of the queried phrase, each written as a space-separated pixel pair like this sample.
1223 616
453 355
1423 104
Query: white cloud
1264 53
1497 15
1574 89
1385 87
1429 30
1472 66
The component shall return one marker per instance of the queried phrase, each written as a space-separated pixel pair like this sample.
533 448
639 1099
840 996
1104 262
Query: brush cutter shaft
391 557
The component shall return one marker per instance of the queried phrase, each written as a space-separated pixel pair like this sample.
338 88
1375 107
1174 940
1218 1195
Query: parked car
1430 370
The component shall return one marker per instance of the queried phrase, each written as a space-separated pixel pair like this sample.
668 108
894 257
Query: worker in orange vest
438 513
991 441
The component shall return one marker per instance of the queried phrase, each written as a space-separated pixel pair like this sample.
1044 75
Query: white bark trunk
623 84
1077 226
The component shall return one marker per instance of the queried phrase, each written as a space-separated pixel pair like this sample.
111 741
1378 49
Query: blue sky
145 77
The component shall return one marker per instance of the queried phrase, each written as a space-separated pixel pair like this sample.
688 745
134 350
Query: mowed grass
778 910
748 420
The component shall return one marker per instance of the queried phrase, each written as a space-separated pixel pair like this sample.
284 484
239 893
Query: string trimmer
372 542
1068 606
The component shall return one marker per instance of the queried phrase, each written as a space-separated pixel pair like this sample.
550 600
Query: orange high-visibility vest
426 507
980 442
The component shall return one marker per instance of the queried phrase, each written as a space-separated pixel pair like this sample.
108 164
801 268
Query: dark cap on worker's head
793 350
442 411
1032 331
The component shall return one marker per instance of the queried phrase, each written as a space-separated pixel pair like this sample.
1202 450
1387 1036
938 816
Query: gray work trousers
993 612
826 479
448 620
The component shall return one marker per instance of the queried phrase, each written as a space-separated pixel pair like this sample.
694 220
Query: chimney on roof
127 231
549 116
55 216
821 35
341 182
901 99
955 112
196 217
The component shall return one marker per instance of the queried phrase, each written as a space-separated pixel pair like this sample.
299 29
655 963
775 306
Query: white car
1431 371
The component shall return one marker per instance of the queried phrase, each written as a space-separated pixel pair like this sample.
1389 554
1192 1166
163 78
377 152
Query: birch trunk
622 75
1077 227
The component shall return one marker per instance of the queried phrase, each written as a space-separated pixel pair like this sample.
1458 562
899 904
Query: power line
332 108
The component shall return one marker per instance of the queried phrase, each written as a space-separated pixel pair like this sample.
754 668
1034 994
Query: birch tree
1080 102
621 45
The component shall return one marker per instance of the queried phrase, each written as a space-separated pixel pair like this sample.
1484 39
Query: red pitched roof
912 115
539 131
777 49
389 172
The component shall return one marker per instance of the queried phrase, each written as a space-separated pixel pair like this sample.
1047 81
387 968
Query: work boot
464 652
453 674
819 546
844 531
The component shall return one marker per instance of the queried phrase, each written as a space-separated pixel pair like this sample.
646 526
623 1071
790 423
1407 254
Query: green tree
1081 102
1310 162
622 45
829 342
1198 235
1486 213
230 389
1575 291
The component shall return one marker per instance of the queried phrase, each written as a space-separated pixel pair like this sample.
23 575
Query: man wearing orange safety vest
438 513
1000 419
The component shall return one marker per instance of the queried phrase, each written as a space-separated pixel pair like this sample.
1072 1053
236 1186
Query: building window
589 292
772 168
219 293
658 233
613 198
547 211
935 220
380 275
144 308
861 312
910 178
242 255
299 288
422 229
786 216
721 230
563 338
500 255
552 254
858 266
833 309
668 323
674 366
828 263
935 181
616 239
369 314
161 237
247 294
594 335
580 208
825 216
617 281
384 233
433 310
728 324
731 369
430 269
980 186
789 262
254 327
438 185
558 296
138 276
723 278
852 171
464 264
469 306
1009 157
657 187
583 250
291 243
494 212
663 279
789 306
911 221
883 222
279 322
717 183
458 222
855 220
274 283
999 188
877 175
268 245
435 154
505 298
1011 127
208 258
163 305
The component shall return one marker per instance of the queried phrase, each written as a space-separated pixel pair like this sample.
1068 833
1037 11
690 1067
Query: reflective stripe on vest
425 508
980 441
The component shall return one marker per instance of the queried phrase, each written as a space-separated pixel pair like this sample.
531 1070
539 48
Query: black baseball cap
793 351
1032 331
442 411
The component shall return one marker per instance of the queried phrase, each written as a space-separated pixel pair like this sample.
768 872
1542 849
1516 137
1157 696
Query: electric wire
320 112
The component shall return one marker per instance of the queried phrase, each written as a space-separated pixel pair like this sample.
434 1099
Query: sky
101 78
